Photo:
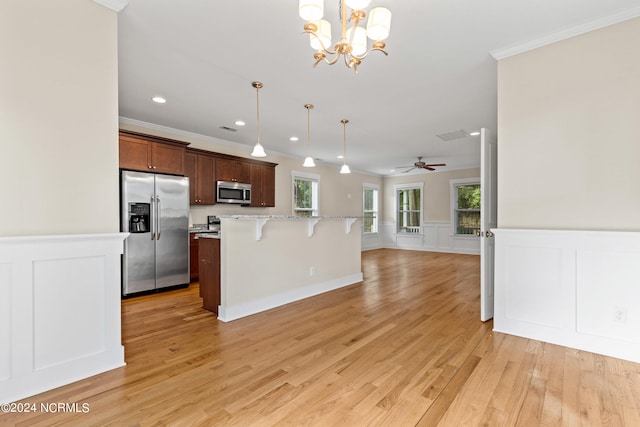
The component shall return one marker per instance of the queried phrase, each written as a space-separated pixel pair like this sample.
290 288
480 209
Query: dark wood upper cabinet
151 154
232 170
200 168
263 185
156 154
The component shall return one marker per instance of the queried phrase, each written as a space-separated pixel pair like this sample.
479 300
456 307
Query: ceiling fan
421 165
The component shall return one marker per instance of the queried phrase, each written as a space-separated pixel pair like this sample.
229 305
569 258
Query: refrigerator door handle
153 219
158 217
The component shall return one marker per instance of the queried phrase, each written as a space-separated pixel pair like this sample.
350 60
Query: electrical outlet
312 270
620 314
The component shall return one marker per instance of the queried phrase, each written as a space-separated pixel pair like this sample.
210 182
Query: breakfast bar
267 261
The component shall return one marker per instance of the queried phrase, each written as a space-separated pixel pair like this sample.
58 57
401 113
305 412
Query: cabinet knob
149 166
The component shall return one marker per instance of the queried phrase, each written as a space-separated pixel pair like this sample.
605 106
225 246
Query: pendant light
308 162
345 167
258 150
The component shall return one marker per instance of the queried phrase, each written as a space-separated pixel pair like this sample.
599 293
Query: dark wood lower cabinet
194 259
209 270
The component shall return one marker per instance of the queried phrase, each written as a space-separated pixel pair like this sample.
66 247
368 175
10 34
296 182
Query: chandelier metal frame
344 48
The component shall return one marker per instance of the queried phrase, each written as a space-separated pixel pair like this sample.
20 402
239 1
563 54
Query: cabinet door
263 186
134 154
194 259
206 180
210 273
269 186
243 171
232 170
257 199
167 158
191 172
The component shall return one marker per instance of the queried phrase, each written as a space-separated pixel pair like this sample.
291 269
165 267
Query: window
409 208
465 200
305 194
370 208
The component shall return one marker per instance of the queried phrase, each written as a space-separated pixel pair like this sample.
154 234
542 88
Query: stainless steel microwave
233 192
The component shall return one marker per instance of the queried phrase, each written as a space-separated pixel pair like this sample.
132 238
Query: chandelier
353 41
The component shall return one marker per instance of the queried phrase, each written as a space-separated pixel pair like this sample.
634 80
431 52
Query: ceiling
439 76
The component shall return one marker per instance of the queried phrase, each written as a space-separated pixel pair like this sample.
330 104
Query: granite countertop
207 236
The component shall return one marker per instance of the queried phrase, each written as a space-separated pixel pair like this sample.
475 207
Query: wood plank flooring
403 348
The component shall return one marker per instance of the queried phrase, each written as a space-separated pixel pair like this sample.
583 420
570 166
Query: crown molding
605 21
115 5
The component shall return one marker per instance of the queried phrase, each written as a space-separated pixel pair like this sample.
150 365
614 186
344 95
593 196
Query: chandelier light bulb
357 4
379 23
323 34
311 10
359 44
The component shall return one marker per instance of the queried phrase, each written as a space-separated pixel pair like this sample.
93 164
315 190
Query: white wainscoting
435 237
59 311
579 289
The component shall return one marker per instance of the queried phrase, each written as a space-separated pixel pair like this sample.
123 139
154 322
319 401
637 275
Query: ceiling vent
450 136
228 128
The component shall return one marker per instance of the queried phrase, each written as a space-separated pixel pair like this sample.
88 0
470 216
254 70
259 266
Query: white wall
59 190
569 133
568 150
58 118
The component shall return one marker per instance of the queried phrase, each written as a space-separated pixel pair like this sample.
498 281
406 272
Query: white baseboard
227 314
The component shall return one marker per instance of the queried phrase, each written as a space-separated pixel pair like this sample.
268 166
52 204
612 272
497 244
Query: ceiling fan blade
437 164
428 168
409 170
406 166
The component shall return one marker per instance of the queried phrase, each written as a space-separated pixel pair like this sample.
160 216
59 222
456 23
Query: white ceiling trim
616 18
115 5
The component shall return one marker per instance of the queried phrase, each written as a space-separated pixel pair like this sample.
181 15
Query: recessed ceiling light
392 170
240 123
474 133
158 100
294 139
341 156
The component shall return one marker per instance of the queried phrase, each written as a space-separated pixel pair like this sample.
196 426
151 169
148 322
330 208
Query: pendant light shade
258 150
308 162
345 167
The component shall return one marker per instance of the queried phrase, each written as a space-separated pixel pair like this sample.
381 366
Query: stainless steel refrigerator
155 211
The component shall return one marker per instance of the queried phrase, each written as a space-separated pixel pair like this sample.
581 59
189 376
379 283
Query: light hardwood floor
403 348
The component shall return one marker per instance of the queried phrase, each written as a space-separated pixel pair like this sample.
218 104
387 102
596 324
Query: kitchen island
267 261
